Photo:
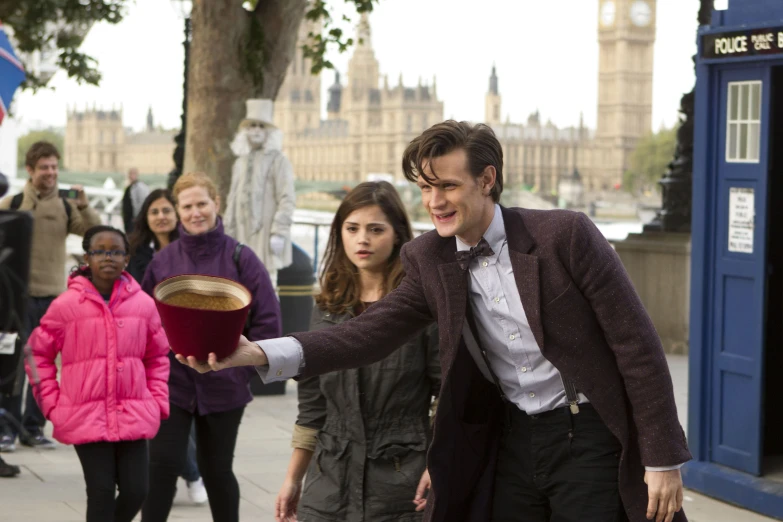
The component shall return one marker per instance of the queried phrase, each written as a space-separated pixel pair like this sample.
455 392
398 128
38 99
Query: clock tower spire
626 37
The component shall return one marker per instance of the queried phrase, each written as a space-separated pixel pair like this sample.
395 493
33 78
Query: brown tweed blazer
588 321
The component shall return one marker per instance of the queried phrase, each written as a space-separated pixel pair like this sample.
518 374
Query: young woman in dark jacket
216 401
362 435
155 227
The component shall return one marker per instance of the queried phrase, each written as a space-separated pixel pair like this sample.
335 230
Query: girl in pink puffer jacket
113 391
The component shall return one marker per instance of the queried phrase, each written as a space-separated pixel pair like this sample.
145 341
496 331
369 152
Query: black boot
8 470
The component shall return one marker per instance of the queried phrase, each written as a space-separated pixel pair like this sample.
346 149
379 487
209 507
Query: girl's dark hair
340 287
142 235
84 270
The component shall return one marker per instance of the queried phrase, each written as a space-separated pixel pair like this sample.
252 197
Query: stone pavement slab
51 487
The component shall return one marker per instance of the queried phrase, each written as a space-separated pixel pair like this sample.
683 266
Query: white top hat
260 110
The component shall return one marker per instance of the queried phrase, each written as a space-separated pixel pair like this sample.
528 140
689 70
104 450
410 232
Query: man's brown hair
38 150
478 141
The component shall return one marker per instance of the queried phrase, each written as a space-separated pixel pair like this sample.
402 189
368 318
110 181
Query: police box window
743 143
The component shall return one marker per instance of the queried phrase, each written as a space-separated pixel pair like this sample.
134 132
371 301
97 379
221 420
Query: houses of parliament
370 120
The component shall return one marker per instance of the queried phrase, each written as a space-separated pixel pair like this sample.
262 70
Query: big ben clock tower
626 36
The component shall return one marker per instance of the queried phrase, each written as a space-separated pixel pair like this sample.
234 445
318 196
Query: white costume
261 202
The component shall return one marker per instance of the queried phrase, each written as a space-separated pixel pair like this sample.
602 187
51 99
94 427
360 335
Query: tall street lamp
183 8
677 183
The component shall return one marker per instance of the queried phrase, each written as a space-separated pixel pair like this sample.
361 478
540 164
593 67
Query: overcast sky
546 53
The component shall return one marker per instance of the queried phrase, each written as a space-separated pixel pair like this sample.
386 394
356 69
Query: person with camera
55 215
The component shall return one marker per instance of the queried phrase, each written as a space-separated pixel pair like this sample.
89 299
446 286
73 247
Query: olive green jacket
371 428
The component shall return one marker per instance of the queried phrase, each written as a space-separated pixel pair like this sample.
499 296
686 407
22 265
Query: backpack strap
68 211
16 201
16 204
237 253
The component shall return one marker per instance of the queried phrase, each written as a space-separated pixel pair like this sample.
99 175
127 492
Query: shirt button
279 372
524 369
484 264
532 395
497 299
512 337
120 323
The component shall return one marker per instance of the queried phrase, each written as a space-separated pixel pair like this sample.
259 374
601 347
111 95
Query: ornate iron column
677 183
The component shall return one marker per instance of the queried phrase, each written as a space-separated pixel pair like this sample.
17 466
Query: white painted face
256 133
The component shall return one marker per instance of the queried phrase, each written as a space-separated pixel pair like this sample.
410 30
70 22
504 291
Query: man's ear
487 179
30 170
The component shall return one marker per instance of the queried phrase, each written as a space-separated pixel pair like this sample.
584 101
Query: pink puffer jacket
115 369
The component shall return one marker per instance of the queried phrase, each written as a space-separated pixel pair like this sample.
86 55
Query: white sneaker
197 492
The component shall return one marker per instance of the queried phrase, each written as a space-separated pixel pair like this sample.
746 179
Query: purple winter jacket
212 254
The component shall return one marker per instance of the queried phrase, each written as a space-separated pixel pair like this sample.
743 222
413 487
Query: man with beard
261 202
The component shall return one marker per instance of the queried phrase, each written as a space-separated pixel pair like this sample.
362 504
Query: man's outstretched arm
370 337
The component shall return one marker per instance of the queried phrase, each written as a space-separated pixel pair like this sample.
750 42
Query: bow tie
464 257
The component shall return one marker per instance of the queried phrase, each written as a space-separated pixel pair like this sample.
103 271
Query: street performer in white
261 202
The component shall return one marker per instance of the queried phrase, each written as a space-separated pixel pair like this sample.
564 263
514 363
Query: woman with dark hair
367 429
155 227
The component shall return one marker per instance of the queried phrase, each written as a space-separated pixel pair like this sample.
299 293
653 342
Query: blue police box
735 417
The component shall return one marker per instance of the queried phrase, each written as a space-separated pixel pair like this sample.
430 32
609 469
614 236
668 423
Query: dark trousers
216 438
108 465
32 420
557 467
190 471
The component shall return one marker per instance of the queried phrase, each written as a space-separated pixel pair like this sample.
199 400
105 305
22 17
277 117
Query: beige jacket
47 261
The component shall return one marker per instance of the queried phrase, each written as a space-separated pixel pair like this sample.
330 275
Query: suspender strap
470 340
470 332
571 394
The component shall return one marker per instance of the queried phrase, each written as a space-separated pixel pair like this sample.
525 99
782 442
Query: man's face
256 133
458 203
44 174
133 175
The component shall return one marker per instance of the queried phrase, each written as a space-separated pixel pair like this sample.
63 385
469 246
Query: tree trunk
234 55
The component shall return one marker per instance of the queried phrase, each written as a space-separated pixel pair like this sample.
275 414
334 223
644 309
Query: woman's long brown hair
340 286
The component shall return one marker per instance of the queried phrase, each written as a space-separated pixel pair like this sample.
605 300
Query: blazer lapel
525 267
455 287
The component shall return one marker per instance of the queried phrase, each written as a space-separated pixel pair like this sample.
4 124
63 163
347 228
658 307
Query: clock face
641 13
608 10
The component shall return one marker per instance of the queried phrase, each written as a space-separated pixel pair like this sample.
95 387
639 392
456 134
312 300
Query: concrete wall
659 264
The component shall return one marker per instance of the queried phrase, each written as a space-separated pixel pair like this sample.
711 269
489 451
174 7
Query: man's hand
424 485
81 197
664 490
247 354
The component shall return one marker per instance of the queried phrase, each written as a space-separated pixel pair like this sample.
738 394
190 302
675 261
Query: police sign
743 43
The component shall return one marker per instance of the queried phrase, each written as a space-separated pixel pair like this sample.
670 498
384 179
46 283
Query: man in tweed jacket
557 403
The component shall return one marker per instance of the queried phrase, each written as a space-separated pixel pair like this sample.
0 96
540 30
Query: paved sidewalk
51 488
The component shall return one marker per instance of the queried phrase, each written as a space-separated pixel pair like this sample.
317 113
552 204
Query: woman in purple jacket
216 400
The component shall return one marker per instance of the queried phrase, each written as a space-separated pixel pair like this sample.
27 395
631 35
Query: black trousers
557 467
32 420
216 438
110 466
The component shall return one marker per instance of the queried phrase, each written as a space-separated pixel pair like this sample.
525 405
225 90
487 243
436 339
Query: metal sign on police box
738 44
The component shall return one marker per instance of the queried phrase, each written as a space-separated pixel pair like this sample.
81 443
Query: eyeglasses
116 254
255 125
